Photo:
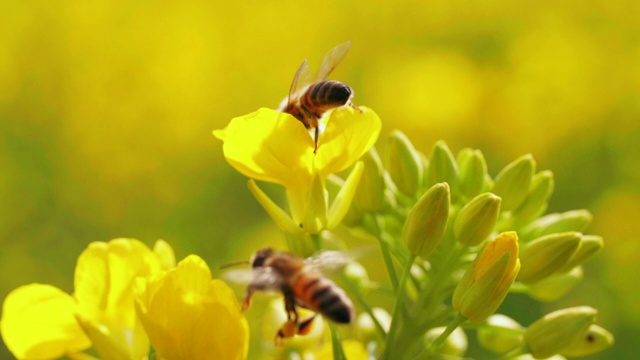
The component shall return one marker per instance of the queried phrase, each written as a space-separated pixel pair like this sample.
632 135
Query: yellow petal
38 323
165 254
104 342
190 316
349 134
270 146
104 278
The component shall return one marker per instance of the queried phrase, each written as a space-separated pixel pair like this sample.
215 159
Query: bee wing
330 262
265 276
302 77
237 276
332 59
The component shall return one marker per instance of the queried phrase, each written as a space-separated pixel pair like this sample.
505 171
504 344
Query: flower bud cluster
480 237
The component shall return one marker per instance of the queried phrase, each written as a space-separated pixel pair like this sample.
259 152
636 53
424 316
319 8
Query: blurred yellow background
107 107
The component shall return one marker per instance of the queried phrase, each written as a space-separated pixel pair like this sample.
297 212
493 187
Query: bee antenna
235 263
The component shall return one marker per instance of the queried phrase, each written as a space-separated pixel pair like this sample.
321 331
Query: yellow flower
190 316
486 283
275 147
103 289
40 321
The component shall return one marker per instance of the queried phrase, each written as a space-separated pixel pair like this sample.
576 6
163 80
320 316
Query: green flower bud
589 245
455 345
556 331
342 202
486 283
537 199
473 172
404 163
501 334
315 217
513 182
476 219
369 196
442 166
427 221
575 220
594 340
555 286
546 255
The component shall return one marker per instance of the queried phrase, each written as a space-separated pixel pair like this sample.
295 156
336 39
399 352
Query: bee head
260 256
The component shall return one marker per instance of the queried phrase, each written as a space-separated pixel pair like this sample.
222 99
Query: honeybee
308 101
302 284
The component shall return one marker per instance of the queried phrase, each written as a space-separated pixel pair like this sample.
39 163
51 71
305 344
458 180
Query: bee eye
258 261
260 257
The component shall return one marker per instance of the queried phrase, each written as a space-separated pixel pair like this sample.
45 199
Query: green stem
459 319
398 308
386 254
336 343
355 291
519 288
429 299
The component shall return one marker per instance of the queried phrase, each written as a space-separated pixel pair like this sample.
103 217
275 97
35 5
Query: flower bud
594 340
342 202
512 183
536 201
404 163
369 196
455 344
473 171
556 331
546 255
476 220
501 335
486 283
589 245
427 221
555 286
575 220
442 166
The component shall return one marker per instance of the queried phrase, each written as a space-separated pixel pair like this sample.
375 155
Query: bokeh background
107 107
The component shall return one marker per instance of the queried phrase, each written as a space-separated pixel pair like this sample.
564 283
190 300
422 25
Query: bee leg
290 305
316 135
247 297
246 301
305 325
288 329
355 107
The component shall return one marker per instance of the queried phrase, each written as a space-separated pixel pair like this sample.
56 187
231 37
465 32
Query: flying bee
308 101
303 285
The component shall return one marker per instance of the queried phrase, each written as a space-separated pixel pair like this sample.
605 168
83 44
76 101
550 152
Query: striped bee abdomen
325 95
322 295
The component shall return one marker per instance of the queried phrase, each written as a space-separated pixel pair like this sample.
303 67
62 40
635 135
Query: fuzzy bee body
317 293
302 285
307 102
